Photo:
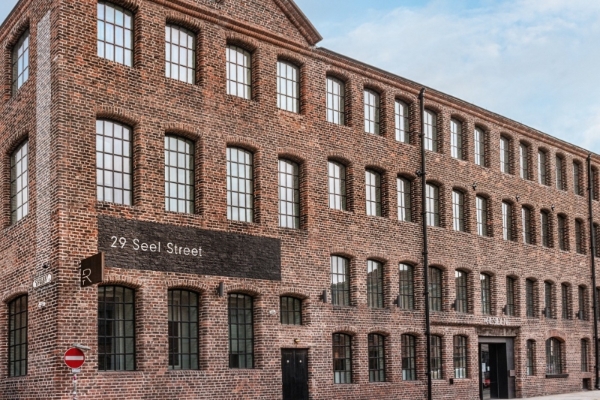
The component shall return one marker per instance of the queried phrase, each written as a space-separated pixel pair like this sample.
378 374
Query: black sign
170 248
92 270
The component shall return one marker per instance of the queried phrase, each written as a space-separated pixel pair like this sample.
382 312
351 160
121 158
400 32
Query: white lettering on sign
156 247
495 321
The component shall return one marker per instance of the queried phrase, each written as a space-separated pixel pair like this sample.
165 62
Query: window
17 336
116 328
342 358
545 228
239 72
374 284
113 162
577 177
560 178
479 140
115 33
376 358
507 231
462 295
435 289
563 242
436 357
553 357
183 329
404 202
548 303
595 184
433 205
336 112
597 239
529 298
486 294
505 155
456 141
288 87
337 186
20 62
526 220
409 358
542 173
566 303
583 313
241 331
430 131
482 216
340 285
407 287
458 211
510 296
180 54
584 356
373 188
289 194
179 175
530 358
371 112
19 183
579 241
524 158
240 185
402 122
460 357
290 310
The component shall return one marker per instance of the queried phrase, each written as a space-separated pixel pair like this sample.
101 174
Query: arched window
482 216
407 287
560 173
336 99
436 358
565 294
290 310
289 194
456 139
524 158
431 138
239 72
511 297
114 165
505 154
545 228
563 233
507 220
20 62
179 175
115 33
404 201
288 86
402 122
337 186
462 292
542 168
240 185
19 182
342 358
17 336
530 298
409 358
116 328
433 205
458 211
371 112
340 281
183 329
180 54
373 192
585 356
241 331
530 366
486 294
374 284
554 363
479 140
526 216
435 289
460 357
376 358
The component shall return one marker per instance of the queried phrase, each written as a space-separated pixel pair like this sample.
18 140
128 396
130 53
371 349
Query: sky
534 61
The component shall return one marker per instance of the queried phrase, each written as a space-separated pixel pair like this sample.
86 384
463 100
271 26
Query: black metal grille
548 303
376 358
582 303
510 296
436 357
566 304
553 356
460 279
291 310
342 358
183 329
529 298
584 356
435 289
530 358
374 284
340 281
116 328
241 331
460 357
407 287
409 358
17 336
486 294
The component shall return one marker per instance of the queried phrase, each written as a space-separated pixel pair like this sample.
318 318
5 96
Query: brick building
257 204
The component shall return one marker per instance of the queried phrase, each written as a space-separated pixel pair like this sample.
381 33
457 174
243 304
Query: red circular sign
74 358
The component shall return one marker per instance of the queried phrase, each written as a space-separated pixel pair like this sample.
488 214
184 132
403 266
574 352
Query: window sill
556 376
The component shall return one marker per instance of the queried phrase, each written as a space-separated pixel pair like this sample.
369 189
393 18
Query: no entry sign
74 358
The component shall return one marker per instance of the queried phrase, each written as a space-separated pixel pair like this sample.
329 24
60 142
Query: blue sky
535 61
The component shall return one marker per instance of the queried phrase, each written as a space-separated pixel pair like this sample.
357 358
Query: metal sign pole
74 386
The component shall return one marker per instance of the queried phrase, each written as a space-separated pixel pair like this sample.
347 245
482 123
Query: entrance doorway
294 371
493 371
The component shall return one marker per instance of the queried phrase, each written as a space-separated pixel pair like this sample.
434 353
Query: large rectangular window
563 236
582 314
507 232
115 33
436 360
288 86
409 358
376 357
183 329
529 298
371 112
566 303
19 183
482 216
530 367
114 162
577 178
17 336
542 173
435 289
337 186
456 139
505 155
432 206
579 237
460 357
511 300
462 294
430 131
548 303
116 328
404 201
373 193
545 228
20 62
524 160
290 310
479 140
240 185
402 122
374 284
407 287
560 178
486 294
458 211
340 281
289 194
336 101
180 54
239 72
553 357
342 358
179 175
526 223
241 331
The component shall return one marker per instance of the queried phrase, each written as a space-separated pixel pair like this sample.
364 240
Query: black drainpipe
593 257
422 174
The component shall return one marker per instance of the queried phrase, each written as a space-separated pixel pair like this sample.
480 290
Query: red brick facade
70 87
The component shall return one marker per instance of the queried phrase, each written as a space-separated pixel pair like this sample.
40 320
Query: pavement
589 395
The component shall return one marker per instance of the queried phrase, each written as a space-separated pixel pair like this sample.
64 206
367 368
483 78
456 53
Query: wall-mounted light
221 289
518 197
45 266
504 309
454 305
324 296
552 207
474 185
397 301
296 340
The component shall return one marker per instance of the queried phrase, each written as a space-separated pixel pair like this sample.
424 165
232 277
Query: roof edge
298 18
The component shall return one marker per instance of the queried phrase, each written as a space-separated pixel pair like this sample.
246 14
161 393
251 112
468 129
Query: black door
294 371
494 371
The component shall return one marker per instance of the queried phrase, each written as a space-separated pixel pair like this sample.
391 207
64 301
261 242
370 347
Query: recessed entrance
294 371
496 368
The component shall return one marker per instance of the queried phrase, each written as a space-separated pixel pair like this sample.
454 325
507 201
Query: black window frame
461 364
376 351
554 356
126 360
375 285
582 301
407 286
461 282
342 358
18 328
435 289
188 303
241 359
290 310
545 228
409 357
486 293
340 294
437 359
585 358
511 296
530 298
566 301
549 311
563 233
530 358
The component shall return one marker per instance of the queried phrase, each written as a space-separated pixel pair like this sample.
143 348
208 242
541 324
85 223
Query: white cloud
530 60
